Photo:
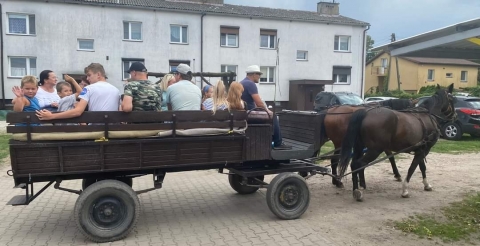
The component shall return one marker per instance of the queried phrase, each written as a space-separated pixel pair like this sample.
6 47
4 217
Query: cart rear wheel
288 196
235 181
89 181
107 211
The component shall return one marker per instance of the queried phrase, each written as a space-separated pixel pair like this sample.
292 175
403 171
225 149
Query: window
21 24
132 31
342 43
21 66
172 64
268 38
85 44
341 74
229 36
302 55
449 75
229 68
464 76
431 75
126 63
384 62
267 74
178 34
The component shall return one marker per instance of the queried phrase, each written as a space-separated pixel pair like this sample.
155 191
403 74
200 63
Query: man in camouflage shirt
140 94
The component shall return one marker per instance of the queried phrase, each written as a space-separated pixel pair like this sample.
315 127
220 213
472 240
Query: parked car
326 99
468 118
376 99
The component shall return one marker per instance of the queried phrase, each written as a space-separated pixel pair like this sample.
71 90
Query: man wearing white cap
252 99
183 95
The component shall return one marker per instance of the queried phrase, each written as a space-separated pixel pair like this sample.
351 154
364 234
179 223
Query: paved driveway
193 208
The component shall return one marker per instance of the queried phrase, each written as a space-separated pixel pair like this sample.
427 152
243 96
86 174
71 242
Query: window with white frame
342 43
21 24
229 36
268 74
229 68
268 38
132 30
126 63
302 55
464 76
178 34
85 44
21 66
341 74
431 75
384 62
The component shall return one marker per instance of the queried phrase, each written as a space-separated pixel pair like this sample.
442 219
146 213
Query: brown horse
334 126
381 129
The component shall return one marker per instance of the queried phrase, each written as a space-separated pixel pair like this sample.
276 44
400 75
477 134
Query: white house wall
58 26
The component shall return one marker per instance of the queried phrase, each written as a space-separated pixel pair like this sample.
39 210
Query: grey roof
225 9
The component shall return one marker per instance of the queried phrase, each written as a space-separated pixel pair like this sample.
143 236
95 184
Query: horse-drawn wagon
107 154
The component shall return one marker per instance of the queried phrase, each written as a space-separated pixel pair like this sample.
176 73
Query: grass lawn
459 221
4 150
466 145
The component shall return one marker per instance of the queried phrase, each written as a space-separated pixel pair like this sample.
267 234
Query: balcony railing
379 71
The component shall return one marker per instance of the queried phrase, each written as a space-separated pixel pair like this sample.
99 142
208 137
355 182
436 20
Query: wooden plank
40 165
36 152
302 132
116 148
34 160
82 168
81 162
46 171
157 153
135 116
148 147
185 156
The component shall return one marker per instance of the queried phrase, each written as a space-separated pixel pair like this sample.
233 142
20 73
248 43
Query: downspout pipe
364 58
201 47
1 58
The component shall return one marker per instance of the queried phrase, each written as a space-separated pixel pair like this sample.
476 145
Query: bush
474 91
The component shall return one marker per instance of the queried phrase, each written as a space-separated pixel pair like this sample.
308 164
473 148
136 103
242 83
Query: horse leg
416 160
423 168
334 164
398 177
370 156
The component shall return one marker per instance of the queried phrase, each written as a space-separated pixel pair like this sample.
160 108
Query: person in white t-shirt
99 96
47 94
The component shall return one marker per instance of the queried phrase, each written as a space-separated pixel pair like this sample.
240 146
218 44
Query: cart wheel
107 211
235 181
303 174
89 181
288 196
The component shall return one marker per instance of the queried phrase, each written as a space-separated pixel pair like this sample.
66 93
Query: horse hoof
358 195
406 195
398 179
340 185
428 188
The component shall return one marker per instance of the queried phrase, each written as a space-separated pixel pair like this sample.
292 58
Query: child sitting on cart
25 100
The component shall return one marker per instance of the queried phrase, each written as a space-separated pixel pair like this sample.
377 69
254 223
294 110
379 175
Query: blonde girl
218 101
166 81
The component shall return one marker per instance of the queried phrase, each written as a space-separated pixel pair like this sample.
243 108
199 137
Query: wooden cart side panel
300 127
99 157
259 142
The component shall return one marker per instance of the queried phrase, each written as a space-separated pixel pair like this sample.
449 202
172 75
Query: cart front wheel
235 181
107 211
288 196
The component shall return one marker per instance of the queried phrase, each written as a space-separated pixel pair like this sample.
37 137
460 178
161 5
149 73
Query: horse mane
396 104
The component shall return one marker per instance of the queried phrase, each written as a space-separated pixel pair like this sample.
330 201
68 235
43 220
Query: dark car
468 118
325 99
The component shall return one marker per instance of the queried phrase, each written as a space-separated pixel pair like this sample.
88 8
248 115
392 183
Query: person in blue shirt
252 99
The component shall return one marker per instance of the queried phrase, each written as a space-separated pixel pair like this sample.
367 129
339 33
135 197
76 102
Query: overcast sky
405 18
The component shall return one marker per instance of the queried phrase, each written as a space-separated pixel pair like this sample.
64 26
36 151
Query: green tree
369 45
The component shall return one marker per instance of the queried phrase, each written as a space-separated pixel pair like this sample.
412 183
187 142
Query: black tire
288 196
107 211
452 131
235 181
303 174
89 181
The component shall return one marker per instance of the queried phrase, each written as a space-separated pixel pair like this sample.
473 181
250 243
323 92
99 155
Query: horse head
442 104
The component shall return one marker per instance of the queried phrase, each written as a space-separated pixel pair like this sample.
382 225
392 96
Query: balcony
379 71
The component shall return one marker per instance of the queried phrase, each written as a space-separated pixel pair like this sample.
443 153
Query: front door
310 91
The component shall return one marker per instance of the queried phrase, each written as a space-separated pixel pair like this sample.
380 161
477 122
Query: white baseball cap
183 68
253 69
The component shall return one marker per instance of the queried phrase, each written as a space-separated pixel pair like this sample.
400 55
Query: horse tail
350 140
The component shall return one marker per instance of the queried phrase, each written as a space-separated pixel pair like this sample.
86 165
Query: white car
376 99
